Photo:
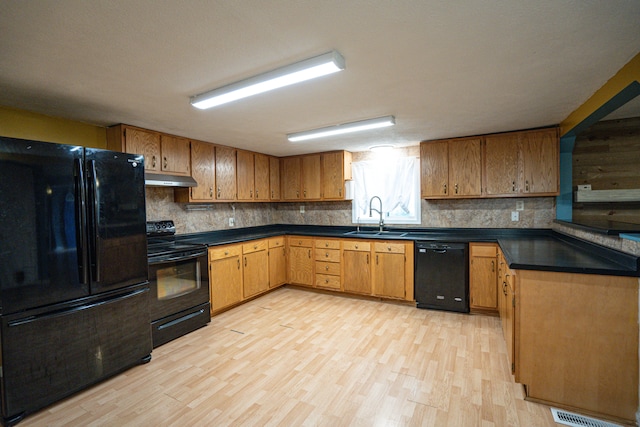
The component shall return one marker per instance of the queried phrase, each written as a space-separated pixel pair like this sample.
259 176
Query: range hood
160 180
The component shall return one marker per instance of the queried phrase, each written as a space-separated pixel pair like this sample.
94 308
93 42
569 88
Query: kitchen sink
376 233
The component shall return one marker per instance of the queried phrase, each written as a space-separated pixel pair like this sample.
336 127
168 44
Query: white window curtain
395 181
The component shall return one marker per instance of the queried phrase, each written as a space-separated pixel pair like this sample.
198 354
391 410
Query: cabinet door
539 151
225 278
274 178
333 176
434 169
225 173
501 164
255 273
147 143
357 271
508 322
261 177
291 178
277 266
388 275
175 155
311 177
483 280
245 168
465 172
301 265
203 171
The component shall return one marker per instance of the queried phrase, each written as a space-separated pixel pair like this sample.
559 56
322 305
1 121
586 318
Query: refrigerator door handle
95 208
81 223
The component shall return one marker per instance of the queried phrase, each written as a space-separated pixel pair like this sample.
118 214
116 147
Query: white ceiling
442 68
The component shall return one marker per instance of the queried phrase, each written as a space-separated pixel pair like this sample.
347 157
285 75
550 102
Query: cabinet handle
340 192
388 248
298 193
153 161
493 267
367 259
377 260
326 255
255 246
326 280
526 186
210 191
513 186
245 261
238 264
456 188
309 253
445 189
272 194
304 194
327 268
219 192
251 194
226 253
504 288
164 164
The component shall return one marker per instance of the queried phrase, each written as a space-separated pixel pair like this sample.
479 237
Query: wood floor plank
294 357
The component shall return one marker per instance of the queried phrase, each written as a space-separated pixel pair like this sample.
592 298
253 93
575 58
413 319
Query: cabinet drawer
394 248
301 241
483 250
224 252
327 281
276 242
254 246
328 244
332 268
331 255
350 245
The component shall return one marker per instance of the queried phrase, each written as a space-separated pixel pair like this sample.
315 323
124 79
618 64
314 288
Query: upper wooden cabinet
315 176
203 164
261 174
245 175
162 153
522 163
274 178
451 168
225 173
336 169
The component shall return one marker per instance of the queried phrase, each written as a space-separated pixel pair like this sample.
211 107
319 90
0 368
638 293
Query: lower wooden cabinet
483 276
255 268
391 270
277 262
225 276
356 265
301 266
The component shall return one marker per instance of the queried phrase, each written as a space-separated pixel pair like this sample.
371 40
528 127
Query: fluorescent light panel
317 66
380 122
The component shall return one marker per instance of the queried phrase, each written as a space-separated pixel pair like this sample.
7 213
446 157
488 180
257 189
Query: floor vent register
577 420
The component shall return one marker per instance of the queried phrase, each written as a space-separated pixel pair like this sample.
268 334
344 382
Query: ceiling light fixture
317 66
361 125
384 148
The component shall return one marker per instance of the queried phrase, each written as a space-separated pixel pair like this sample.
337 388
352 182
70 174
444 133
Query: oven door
178 282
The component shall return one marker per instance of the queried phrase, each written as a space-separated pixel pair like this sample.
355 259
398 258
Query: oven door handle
177 258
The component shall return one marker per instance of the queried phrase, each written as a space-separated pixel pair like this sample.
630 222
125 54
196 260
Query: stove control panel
161 228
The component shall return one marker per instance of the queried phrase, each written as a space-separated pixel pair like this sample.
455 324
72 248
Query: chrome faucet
371 209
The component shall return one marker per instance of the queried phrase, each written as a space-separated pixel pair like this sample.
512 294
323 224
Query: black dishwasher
442 276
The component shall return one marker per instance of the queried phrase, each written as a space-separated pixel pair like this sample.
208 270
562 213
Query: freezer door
40 205
116 219
47 355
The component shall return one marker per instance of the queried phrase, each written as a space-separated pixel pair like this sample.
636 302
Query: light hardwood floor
300 358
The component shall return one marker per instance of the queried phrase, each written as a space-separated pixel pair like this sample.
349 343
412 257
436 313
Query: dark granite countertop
602 226
528 249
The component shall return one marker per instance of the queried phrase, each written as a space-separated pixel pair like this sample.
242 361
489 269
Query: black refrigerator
74 293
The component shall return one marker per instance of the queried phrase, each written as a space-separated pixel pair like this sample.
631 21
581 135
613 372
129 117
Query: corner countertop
526 249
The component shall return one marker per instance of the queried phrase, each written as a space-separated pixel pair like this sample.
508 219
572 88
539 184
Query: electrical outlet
232 222
519 205
302 209
515 216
